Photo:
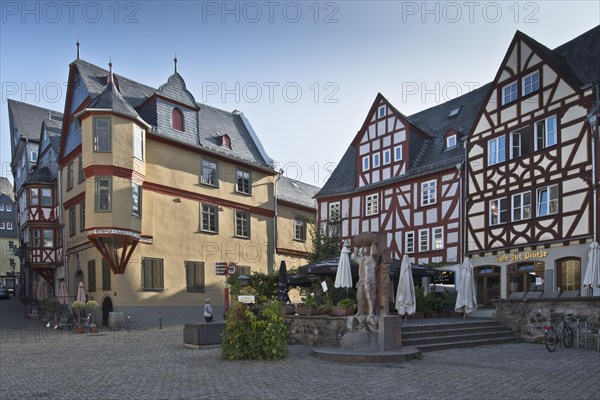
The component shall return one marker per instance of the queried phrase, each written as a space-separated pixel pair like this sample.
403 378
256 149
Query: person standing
208 311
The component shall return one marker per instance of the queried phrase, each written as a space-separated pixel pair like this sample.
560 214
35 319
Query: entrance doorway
107 307
487 282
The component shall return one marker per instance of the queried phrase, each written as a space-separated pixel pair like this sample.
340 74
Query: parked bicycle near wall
557 334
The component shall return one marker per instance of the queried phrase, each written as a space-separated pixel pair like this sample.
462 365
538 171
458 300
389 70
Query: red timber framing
529 165
115 245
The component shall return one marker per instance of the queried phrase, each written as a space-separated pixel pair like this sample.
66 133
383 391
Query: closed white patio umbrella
592 269
343 275
466 298
406 301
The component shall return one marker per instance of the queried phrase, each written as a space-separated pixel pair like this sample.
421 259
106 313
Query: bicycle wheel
567 336
550 339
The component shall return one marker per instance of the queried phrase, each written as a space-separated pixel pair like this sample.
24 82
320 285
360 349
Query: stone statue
373 257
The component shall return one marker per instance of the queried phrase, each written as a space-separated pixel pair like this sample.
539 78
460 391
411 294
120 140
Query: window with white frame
8 207
510 93
80 173
372 204
2 225
521 206
11 244
428 192
365 163
242 224
48 238
376 160
244 182
451 141
398 153
136 200
521 141
209 173
34 197
545 133
547 200
438 238
9 226
498 211
210 218
387 157
34 156
46 197
102 138
496 150
334 211
1 206
531 83
424 240
138 143
409 242
103 193
381 111
299 229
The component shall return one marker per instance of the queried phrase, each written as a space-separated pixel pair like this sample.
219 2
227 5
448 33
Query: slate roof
54 130
296 192
6 188
28 118
111 99
578 59
213 121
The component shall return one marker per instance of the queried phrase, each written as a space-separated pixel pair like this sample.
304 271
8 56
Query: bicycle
557 334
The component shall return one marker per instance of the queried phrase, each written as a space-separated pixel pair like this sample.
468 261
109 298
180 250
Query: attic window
453 112
177 120
381 111
226 141
451 141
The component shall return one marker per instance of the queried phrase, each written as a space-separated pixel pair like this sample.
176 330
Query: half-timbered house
403 176
532 208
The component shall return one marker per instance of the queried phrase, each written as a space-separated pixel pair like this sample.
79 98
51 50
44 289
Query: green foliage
347 303
263 286
91 305
326 243
449 300
250 336
325 307
78 305
420 299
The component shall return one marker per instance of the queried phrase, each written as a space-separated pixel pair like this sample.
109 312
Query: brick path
39 363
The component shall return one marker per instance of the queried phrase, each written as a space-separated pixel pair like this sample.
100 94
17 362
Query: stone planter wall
529 316
319 330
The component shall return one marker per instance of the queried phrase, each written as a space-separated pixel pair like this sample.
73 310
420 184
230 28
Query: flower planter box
306 310
341 311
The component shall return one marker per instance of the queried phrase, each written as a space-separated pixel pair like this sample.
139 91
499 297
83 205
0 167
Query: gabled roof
213 122
54 131
6 188
578 60
296 192
28 118
429 155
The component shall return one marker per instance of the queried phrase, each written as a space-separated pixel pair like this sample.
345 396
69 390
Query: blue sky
304 73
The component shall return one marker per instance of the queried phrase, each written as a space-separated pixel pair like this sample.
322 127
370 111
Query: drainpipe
61 226
279 173
459 168
593 120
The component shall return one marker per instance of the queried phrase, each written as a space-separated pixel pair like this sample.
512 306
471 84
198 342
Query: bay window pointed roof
175 89
111 99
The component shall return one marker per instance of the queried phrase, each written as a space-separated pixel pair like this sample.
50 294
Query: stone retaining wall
529 316
320 330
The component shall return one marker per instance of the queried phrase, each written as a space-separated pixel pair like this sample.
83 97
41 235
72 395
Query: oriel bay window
152 274
43 238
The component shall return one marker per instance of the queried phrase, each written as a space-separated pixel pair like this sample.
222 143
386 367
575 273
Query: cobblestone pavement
41 363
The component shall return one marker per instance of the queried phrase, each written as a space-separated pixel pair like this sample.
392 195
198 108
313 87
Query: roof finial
110 75
175 61
78 47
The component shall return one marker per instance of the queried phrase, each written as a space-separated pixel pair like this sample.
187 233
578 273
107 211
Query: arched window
568 276
177 119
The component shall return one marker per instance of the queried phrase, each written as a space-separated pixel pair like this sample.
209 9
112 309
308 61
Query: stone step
464 331
447 325
452 337
464 344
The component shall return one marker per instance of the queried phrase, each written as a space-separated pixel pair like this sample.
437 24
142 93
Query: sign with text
528 255
247 299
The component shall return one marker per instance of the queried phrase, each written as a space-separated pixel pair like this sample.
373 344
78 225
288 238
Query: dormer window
177 120
453 112
450 141
226 141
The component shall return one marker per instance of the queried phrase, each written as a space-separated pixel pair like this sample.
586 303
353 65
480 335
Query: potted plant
344 307
308 306
78 306
90 306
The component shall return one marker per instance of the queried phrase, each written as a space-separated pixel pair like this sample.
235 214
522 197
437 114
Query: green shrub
250 336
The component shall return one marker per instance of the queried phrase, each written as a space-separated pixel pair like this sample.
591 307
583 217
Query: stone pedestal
388 337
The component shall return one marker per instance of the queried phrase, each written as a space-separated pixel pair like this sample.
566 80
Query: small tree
325 240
